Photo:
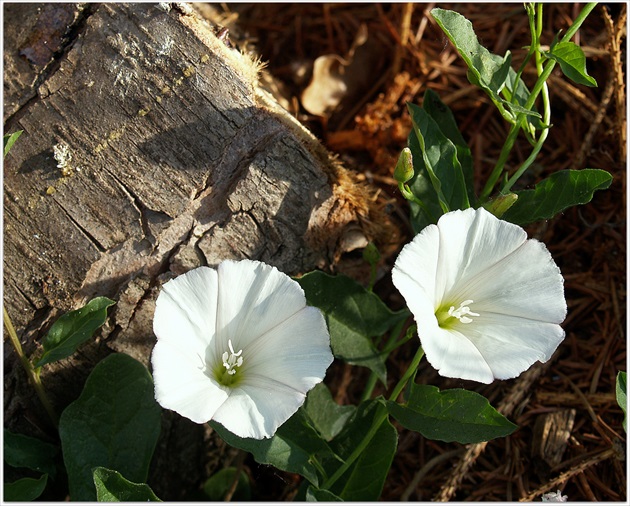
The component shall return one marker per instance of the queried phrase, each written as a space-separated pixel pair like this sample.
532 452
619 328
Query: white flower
237 345
554 497
487 301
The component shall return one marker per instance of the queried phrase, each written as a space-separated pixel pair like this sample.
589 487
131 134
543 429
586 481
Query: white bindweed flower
237 345
487 301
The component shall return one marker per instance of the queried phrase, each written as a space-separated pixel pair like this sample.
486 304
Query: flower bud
404 167
499 205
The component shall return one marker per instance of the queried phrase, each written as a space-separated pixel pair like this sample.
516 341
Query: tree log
148 149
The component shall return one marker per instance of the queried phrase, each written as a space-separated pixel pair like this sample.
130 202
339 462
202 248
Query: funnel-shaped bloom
487 301
237 345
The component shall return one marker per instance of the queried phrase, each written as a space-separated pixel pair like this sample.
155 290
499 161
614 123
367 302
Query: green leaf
9 140
73 329
367 476
364 480
440 158
621 397
486 70
315 494
111 486
326 416
218 485
453 415
354 315
28 452
491 72
25 489
115 423
572 62
445 120
558 192
422 188
439 179
290 449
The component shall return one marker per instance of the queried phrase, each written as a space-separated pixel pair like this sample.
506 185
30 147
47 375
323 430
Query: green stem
369 386
390 345
380 416
538 87
542 79
578 21
372 277
503 156
546 118
409 373
531 14
408 194
33 374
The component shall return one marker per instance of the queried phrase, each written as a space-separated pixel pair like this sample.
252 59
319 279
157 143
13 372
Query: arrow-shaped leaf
572 62
561 190
73 329
452 415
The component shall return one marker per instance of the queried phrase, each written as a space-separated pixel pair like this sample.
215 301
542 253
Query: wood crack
95 242
140 207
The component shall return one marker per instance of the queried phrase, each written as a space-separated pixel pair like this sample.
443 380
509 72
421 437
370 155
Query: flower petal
453 354
510 345
526 283
181 384
185 311
470 242
296 352
257 411
253 297
416 268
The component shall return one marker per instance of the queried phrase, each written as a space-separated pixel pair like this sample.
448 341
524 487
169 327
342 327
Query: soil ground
406 53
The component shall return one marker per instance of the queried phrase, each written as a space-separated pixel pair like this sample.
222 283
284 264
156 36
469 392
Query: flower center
462 313
233 360
227 373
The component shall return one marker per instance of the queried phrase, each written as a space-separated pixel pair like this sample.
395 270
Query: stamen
461 312
232 360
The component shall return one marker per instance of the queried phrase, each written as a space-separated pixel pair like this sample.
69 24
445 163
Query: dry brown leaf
332 79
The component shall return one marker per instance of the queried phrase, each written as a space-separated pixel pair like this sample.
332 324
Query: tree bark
147 150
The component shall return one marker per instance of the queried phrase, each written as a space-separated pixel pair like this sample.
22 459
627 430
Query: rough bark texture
174 159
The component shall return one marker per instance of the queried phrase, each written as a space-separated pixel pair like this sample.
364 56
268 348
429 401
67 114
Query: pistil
461 312
447 317
232 360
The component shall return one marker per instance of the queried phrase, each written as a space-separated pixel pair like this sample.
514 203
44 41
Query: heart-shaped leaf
114 424
453 415
364 479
